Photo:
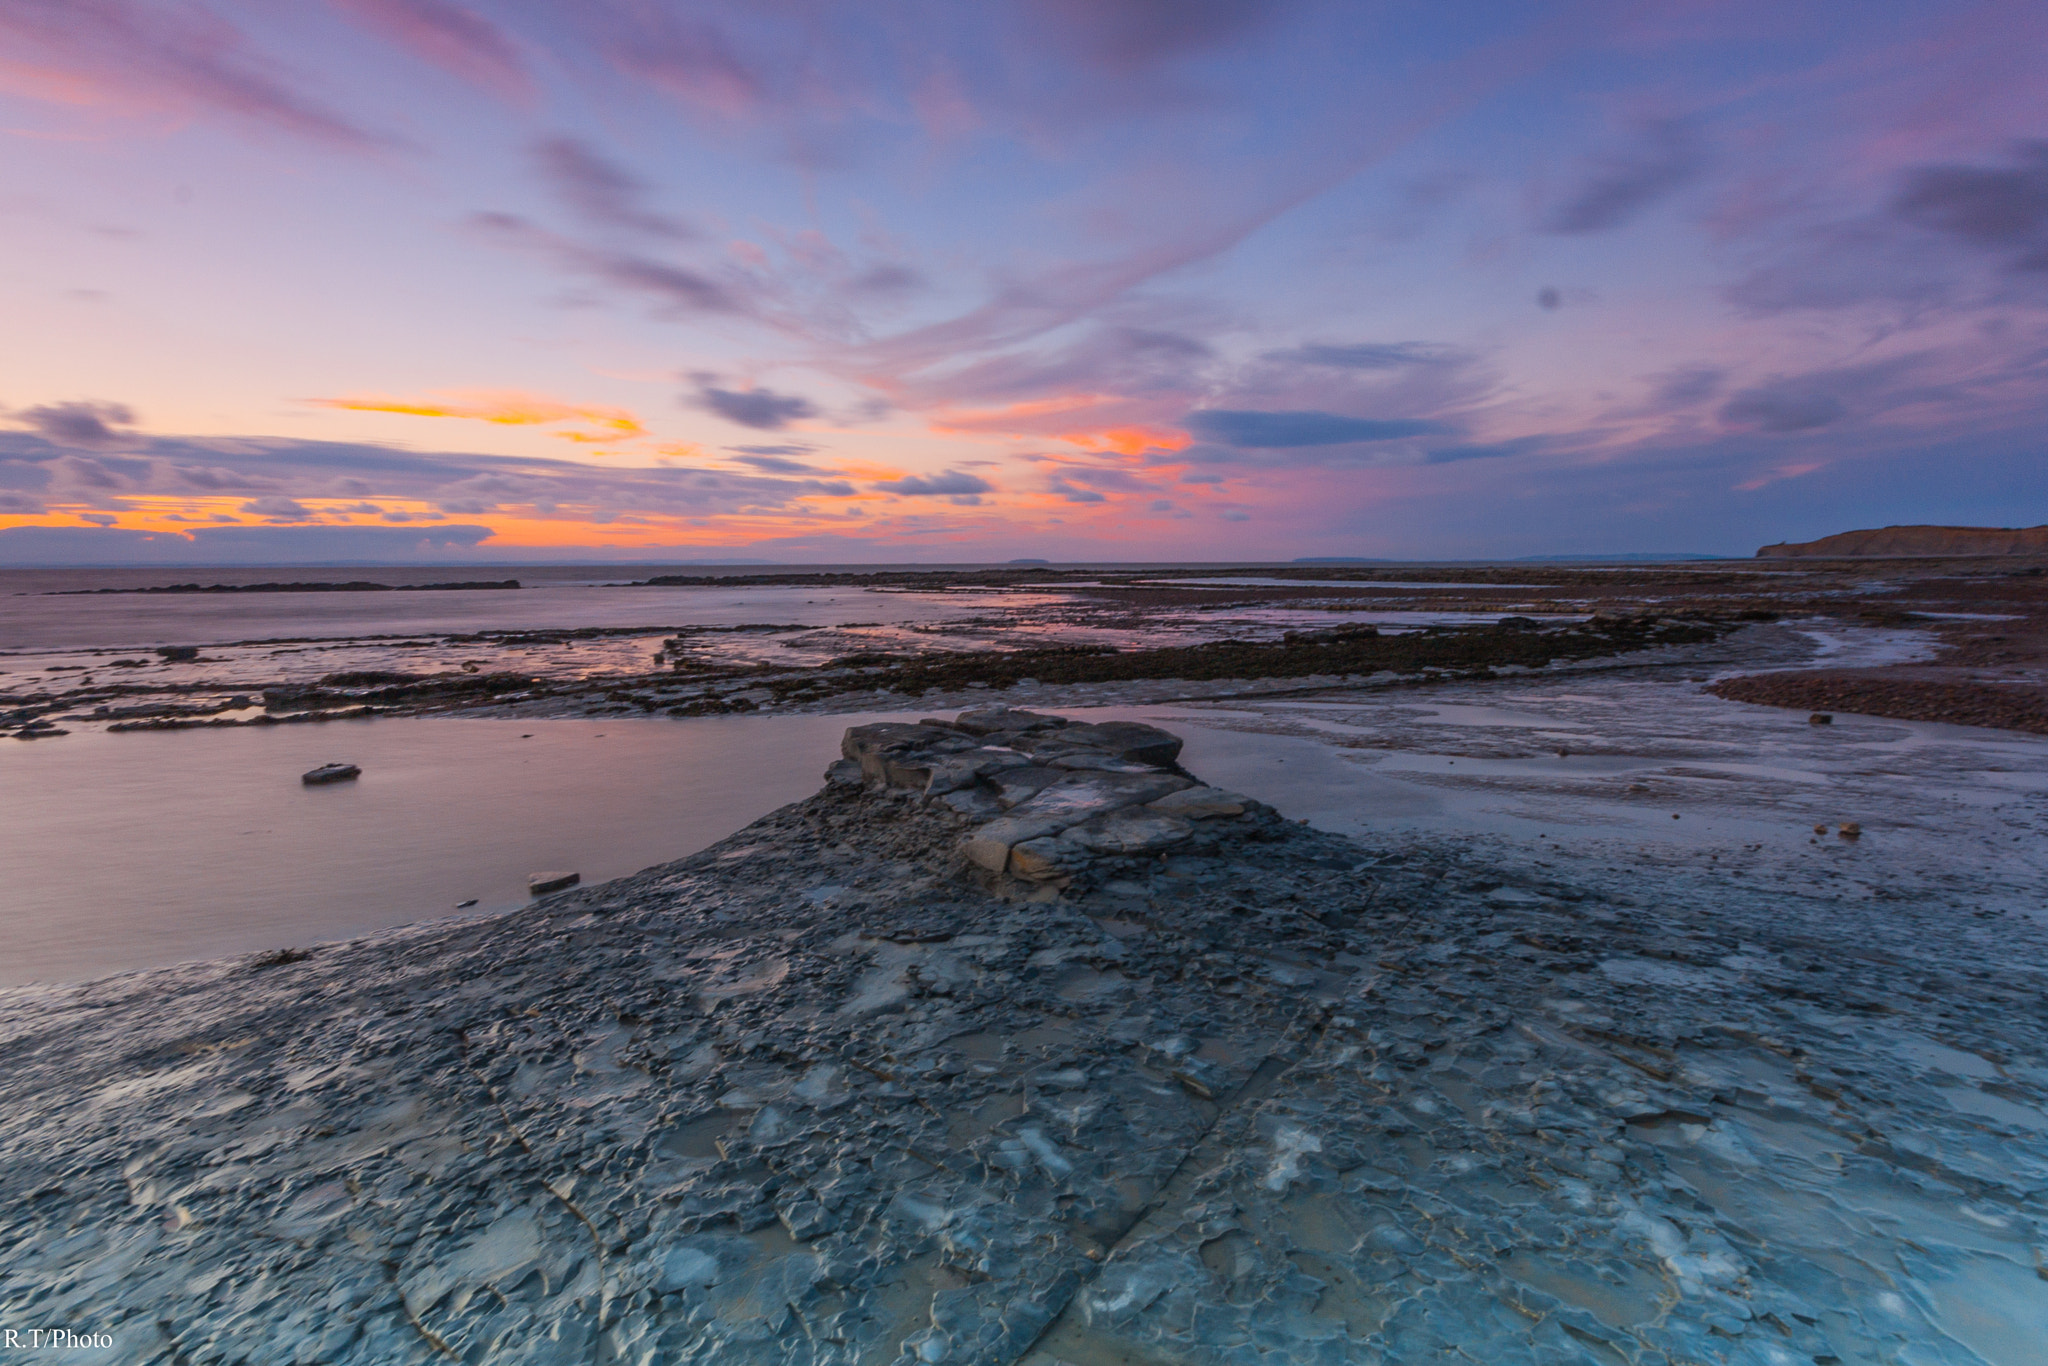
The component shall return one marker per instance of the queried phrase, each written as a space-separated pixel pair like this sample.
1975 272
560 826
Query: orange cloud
506 409
1066 418
1128 440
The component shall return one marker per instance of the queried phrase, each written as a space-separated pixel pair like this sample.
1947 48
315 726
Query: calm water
46 621
128 851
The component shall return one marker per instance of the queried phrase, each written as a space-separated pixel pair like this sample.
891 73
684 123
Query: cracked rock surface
1175 1081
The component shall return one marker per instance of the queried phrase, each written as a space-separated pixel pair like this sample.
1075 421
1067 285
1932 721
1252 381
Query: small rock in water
1849 830
465 905
540 884
1821 718
330 773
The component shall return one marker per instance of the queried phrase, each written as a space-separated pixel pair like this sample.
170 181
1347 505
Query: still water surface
135 850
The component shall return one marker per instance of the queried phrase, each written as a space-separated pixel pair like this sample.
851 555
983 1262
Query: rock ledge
1045 800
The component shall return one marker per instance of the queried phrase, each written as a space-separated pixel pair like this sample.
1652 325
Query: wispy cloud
1667 154
1368 355
507 410
1257 430
601 192
453 37
136 54
954 484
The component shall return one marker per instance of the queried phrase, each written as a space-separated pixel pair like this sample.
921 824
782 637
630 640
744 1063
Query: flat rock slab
816 1096
1082 795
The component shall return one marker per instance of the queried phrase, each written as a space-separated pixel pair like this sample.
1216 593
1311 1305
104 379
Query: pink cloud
158 57
452 37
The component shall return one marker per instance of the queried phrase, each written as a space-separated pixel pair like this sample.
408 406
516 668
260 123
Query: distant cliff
1917 540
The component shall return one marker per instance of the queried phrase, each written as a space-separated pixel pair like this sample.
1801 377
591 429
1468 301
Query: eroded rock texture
1214 1089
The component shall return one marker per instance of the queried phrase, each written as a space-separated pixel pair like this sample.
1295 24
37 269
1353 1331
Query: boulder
952 772
1140 831
989 846
1078 796
1008 720
900 755
1099 763
1043 860
1197 803
540 884
1013 785
1131 740
330 773
976 803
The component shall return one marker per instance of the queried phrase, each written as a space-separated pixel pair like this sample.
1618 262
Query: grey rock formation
1060 796
834 1093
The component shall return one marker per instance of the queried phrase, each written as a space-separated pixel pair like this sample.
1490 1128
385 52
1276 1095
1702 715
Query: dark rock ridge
352 586
2003 706
1894 541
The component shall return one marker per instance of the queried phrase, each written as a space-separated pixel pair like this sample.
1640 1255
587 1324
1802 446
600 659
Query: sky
902 280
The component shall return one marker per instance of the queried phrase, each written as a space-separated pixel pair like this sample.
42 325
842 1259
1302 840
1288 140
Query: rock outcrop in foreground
1898 541
1049 800
1171 1081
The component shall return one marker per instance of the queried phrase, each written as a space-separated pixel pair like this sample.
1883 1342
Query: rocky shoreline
1174 1080
2021 706
1150 636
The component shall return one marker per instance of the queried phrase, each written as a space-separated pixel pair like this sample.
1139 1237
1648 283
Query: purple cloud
2004 211
764 409
600 191
1123 35
1273 431
1684 388
1669 155
1793 407
775 464
277 508
185 56
951 483
453 37
1447 455
1368 355
85 423
675 290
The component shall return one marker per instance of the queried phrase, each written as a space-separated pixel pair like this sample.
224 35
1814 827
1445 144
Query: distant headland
1893 541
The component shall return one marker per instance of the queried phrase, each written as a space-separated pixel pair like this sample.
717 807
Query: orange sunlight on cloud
509 409
1066 418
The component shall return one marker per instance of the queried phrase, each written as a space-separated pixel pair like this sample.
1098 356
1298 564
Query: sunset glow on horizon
1122 279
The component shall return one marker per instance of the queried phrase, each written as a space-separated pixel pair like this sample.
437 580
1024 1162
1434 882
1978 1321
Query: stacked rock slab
1045 799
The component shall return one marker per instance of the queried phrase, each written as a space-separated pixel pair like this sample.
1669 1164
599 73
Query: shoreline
1202 632
818 1094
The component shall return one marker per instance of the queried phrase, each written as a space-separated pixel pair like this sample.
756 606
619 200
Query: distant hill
1893 541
